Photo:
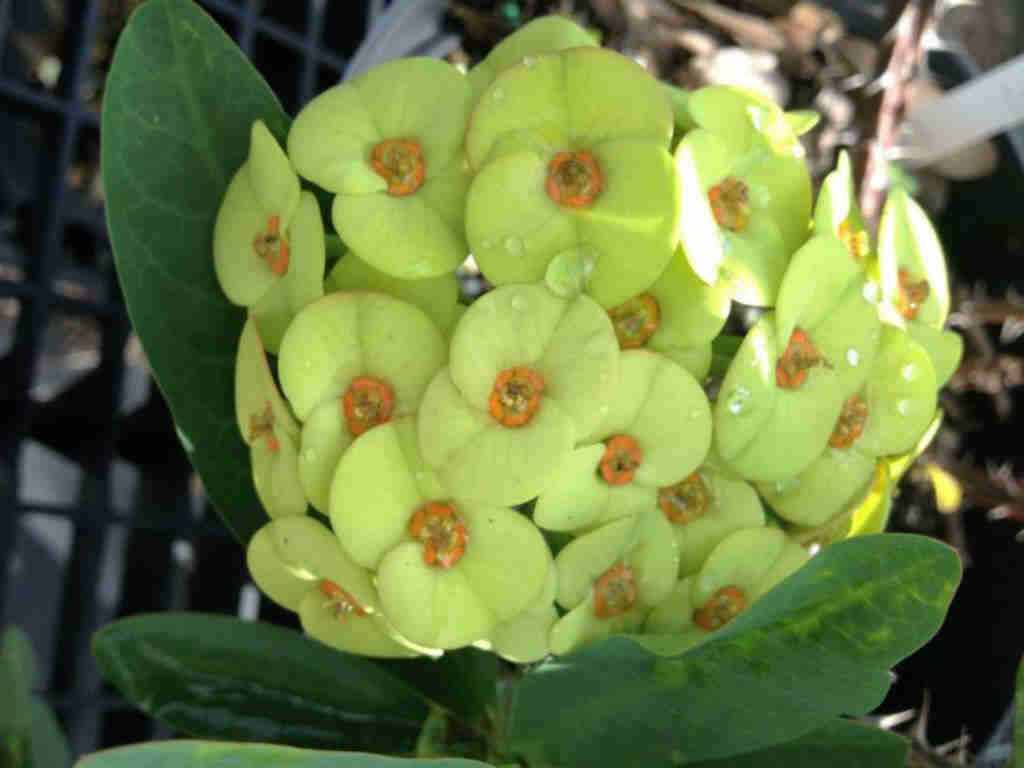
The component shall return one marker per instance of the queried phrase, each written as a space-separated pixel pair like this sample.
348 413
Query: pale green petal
824 489
320 353
444 192
695 360
580 626
406 96
446 423
361 635
271 175
836 199
691 312
272 315
436 296
508 466
544 33
512 226
580 364
901 394
654 557
699 234
331 139
945 348
673 425
742 560
521 99
780 187
907 239
576 496
747 396
754 260
637 370
303 283
282 556
524 639
324 439
848 337
791 558
430 606
818 278
725 111
243 275
632 223
733 506
582 561
506 560
504 328
403 236
255 388
674 614
374 493
610 96
275 475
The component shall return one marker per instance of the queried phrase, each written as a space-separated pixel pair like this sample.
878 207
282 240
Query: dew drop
497 95
568 272
185 441
513 245
738 401
870 291
908 372
853 357
903 406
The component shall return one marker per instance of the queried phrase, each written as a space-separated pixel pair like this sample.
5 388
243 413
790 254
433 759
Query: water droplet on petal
903 406
908 372
513 245
870 291
738 401
603 410
529 61
497 95
568 272
853 356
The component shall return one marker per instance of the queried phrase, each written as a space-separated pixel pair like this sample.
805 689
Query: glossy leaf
217 677
171 141
840 744
211 754
818 645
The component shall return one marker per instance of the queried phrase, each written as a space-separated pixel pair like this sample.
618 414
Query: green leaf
817 646
213 754
840 744
47 746
217 677
17 678
463 681
179 105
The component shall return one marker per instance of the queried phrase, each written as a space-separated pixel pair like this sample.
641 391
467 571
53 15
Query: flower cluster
544 466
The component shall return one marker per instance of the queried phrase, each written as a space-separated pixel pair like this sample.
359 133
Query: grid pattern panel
101 514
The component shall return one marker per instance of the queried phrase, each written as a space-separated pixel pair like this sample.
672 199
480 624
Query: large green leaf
213 754
178 107
840 744
1017 761
817 646
463 681
218 677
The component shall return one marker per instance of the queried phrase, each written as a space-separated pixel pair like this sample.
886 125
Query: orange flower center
401 163
850 423
636 320
730 205
516 396
912 294
799 357
261 424
574 178
855 240
272 247
339 602
614 592
367 403
622 455
443 533
723 606
685 501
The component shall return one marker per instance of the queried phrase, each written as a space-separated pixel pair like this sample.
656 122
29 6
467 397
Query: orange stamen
614 592
800 356
855 240
401 163
272 247
339 601
685 501
636 320
912 294
367 403
516 396
622 455
443 533
574 178
723 606
850 423
262 425
729 203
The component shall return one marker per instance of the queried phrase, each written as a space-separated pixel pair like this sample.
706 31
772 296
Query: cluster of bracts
454 449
